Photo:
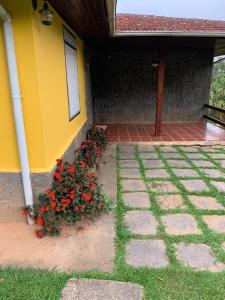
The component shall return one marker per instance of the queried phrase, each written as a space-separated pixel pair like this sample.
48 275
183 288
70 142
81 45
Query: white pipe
17 106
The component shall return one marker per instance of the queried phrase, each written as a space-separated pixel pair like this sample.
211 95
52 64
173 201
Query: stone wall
125 85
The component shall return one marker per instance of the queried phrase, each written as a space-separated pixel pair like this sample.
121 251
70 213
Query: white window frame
72 88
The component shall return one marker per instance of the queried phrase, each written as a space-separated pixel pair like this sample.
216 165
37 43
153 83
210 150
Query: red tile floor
169 133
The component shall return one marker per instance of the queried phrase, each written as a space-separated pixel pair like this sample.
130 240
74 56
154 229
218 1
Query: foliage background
217 93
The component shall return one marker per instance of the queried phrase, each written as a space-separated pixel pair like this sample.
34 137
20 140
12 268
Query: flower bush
97 135
74 192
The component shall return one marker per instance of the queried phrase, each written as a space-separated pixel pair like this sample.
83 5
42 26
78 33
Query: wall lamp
45 12
155 62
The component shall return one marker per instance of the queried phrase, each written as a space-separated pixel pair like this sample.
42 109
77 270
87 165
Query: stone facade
11 187
125 85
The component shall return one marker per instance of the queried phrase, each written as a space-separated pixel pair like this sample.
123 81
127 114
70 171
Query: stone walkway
173 191
92 289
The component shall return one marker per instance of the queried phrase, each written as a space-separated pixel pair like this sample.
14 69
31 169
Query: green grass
174 282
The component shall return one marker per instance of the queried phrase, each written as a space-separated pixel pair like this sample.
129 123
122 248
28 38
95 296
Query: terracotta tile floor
170 132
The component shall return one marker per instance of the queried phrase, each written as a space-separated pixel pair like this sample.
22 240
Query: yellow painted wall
20 12
51 70
41 63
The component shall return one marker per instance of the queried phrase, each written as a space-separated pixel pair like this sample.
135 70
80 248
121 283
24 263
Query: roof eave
169 33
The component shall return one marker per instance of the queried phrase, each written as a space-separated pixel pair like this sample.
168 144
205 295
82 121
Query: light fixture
46 15
155 62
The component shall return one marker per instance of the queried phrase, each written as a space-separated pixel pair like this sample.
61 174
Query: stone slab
195 185
178 163
162 187
213 173
128 163
149 155
222 163
189 149
185 173
146 253
215 222
136 200
220 185
180 224
170 201
146 148
172 155
168 149
133 185
126 148
198 256
156 163
157 173
196 155
206 202
93 289
203 163
217 155
130 173
141 222
127 155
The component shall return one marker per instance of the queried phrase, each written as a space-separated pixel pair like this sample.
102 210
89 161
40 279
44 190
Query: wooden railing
215 120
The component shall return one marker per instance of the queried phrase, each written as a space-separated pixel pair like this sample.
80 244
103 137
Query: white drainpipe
17 106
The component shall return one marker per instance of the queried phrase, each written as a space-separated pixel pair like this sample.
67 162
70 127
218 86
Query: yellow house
53 90
47 86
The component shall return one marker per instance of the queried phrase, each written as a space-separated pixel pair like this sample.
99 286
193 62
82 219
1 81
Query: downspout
17 106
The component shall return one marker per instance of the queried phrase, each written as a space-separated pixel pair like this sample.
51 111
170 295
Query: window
72 74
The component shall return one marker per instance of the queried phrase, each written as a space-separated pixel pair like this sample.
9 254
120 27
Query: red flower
76 208
86 196
68 201
24 213
52 195
42 209
48 228
71 170
40 221
59 161
57 209
57 176
39 234
94 175
61 168
72 195
92 202
83 206
53 203
92 186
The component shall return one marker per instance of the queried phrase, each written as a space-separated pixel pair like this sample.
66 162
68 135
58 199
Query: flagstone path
174 198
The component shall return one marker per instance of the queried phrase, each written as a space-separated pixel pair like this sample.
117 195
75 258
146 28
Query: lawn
172 282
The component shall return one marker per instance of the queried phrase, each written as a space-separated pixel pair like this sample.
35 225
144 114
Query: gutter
17 105
111 11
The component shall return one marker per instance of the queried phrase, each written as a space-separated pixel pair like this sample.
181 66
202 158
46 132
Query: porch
170 132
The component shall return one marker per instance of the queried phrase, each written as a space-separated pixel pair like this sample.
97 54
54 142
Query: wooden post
160 94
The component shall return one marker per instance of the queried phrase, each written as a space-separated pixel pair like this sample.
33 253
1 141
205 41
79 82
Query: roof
151 23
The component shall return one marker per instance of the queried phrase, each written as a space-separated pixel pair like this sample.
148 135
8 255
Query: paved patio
165 199
176 132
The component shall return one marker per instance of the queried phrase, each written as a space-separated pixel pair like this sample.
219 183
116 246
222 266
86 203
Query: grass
173 282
